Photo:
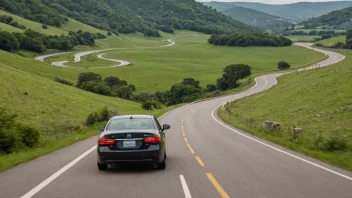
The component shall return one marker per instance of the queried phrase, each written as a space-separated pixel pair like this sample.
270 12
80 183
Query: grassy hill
334 40
30 25
251 17
298 12
312 101
127 16
339 19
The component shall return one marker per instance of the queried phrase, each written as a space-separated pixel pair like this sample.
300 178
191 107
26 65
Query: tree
109 34
44 26
8 42
349 35
232 74
210 88
283 65
191 81
88 76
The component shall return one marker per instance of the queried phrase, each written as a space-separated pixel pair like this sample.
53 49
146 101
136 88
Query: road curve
206 158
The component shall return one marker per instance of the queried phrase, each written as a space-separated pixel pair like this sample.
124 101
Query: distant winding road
206 158
78 55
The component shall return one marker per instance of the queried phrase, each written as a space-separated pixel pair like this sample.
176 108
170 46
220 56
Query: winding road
206 158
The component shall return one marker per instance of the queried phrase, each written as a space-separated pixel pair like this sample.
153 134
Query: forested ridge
126 16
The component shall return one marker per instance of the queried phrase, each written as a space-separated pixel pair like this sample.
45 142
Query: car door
162 133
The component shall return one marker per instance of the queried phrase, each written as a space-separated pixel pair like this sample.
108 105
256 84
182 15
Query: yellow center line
186 140
217 186
199 161
190 148
184 135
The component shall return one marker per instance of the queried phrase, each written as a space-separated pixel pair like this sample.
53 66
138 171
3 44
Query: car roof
133 116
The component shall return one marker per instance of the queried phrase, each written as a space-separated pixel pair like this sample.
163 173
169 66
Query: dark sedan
133 138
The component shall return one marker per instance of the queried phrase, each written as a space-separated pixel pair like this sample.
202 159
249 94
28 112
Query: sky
270 1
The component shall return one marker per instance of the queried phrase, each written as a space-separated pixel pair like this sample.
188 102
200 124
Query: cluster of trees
9 20
249 39
190 90
313 33
14 135
35 41
126 16
34 10
101 115
110 86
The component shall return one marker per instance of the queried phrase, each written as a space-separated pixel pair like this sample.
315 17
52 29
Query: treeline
126 16
37 42
249 39
9 21
314 32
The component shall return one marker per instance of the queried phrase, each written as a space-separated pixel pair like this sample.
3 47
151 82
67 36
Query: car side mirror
102 128
166 127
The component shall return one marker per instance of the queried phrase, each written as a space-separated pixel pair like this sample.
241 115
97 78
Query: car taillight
152 140
106 141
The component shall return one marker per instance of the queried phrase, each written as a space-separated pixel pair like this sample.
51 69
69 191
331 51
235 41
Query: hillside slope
339 19
251 17
318 101
127 16
297 11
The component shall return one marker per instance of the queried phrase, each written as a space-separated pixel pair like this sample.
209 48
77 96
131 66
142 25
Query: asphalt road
206 158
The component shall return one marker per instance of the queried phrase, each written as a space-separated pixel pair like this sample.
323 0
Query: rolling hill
339 19
297 12
251 17
127 16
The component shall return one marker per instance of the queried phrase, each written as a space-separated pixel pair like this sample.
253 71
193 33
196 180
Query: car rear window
135 123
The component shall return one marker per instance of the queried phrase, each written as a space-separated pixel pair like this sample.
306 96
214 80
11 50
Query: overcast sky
270 1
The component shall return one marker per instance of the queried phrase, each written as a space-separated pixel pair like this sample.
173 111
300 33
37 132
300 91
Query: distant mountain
252 17
128 16
297 11
339 19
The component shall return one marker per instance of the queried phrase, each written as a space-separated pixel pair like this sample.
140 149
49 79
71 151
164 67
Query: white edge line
279 150
36 189
185 187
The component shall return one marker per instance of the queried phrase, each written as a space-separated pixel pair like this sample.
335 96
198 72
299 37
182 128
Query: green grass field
334 40
31 25
192 56
318 101
73 25
9 28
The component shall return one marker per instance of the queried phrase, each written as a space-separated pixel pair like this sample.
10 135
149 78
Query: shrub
210 88
8 42
109 34
150 105
319 45
283 65
102 115
44 26
63 81
336 142
86 77
29 136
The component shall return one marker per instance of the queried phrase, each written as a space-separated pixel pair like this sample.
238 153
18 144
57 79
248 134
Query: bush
319 45
102 115
109 34
283 65
150 105
8 42
44 26
63 81
336 142
13 134
210 88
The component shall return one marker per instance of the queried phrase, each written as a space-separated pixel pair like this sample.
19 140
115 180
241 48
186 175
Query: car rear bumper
135 156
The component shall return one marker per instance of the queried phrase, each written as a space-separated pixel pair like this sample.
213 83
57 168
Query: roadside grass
33 25
333 40
318 101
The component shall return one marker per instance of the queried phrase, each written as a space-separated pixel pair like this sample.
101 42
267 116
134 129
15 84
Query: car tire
102 167
161 165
